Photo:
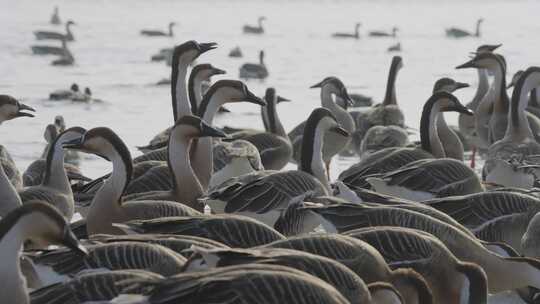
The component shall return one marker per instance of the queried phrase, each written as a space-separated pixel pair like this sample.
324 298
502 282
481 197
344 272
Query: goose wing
157 178
151 209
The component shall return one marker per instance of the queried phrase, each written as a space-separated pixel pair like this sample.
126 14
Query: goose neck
501 104
390 94
311 160
55 174
10 199
272 121
195 93
481 90
429 136
518 126
179 92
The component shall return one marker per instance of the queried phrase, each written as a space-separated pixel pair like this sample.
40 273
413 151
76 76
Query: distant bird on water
68 36
455 32
158 33
383 33
258 29
254 70
395 47
55 18
355 35
236 52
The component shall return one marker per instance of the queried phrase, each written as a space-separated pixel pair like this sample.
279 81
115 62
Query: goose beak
464 110
23 107
217 71
73 144
461 85
317 85
71 241
208 131
282 99
493 47
468 64
205 47
339 130
250 97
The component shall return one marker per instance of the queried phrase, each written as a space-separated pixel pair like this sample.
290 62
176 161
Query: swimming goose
264 195
502 273
334 143
55 18
362 259
183 55
107 206
250 283
34 225
236 52
394 47
274 145
235 231
254 70
250 29
467 123
452 145
403 247
90 287
48 50
455 32
10 178
199 74
383 33
66 58
518 139
155 33
64 94
334 273
356 34
68 36
55 188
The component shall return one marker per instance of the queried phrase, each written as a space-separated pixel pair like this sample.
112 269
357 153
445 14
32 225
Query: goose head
74 87
448 85
515 78
447 102
171 24
102 142
11 108
487 48
42 225
205 71
59 123
70 23
270 96
190 127
228 91
395 29
187 52
261 18
50 134
333 85
484 60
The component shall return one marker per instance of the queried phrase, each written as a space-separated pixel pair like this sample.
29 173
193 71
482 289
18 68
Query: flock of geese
208 215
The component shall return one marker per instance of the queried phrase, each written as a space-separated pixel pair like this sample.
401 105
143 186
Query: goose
155 33
60 265
383 33
334 273
235 231
163 54
403 247
273 145
263 195
394 48
362 259
250 29
335 142
451 142
55 188
467 123
533 106
199 74
34 225
356 34
34 174
85 96
55 18
68 36
48 50
503 273
390 159
250 283
518 139
254 70
65 59
64 94
103 287
107 206
236 52
455 32
10 178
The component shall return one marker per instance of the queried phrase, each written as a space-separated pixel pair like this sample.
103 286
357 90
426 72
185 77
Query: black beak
345 96
73 144
461 85
205 47
250 97
317 85
339 130
71 241
493 47
23 107
208 131
464 110
468 64
282 99
217 71
511 84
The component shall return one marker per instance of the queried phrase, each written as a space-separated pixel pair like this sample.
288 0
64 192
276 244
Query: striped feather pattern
144 210
159 155
508 229
157 178
231 230
59 200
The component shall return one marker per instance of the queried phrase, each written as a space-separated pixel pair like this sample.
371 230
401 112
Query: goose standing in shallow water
68 36
355 35
35 225
250 29
264 195
158 33
383 33
455 32
254 70
55 18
